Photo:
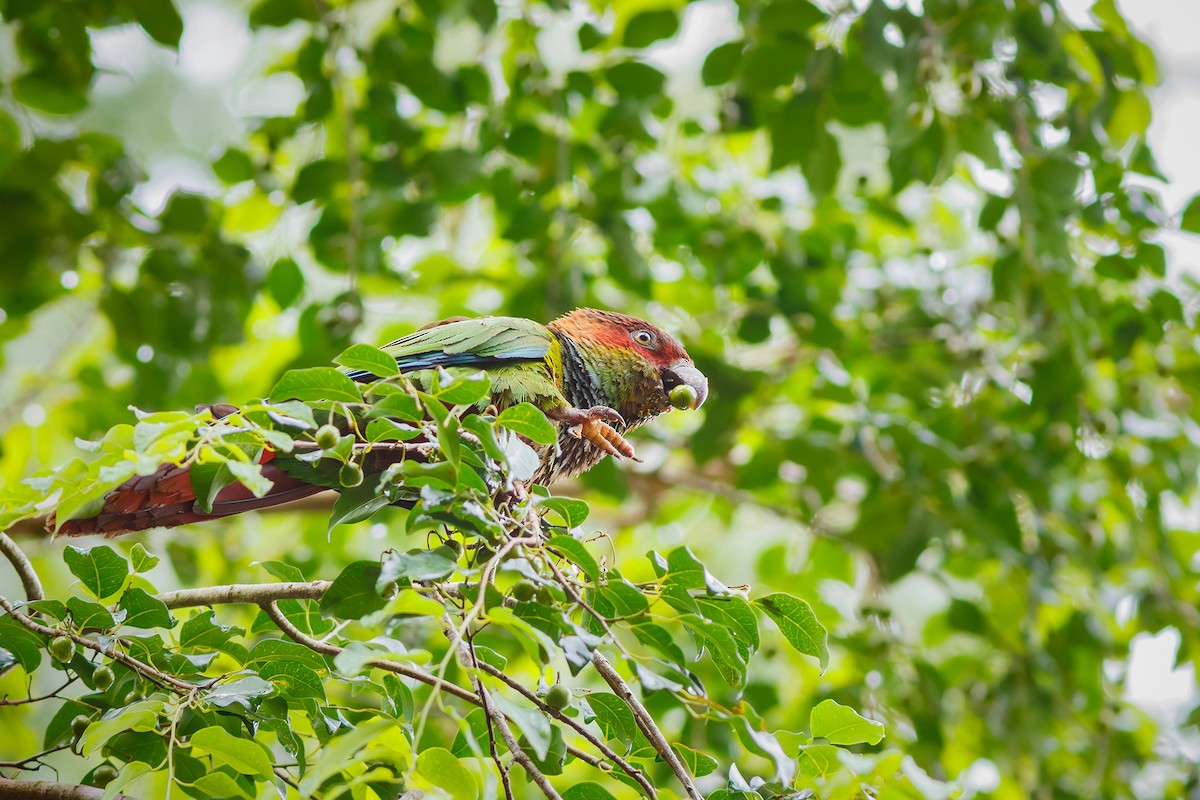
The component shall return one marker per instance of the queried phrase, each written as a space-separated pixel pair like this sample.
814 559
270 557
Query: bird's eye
644 338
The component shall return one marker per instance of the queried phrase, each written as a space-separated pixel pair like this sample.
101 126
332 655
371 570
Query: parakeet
596 375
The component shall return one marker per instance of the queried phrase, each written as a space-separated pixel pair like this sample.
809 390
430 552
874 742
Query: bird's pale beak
685 374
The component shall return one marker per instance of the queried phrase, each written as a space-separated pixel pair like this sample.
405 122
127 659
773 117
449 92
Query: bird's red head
653 352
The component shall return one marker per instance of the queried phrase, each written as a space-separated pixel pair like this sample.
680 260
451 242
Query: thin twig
147 671
486 702
283 775
485 578
466 656
645 722
576 726
578 599
34 761
25 571
4 701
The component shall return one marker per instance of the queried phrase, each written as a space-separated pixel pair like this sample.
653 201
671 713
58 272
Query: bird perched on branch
595 374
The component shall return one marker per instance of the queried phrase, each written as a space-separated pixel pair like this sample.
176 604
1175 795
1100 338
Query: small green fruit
684 397
351 475
102 678
327 437
523 591
134 696
79 725
62 649
544 596
558 697
104 775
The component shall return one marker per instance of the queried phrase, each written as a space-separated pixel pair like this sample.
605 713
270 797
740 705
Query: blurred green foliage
915 252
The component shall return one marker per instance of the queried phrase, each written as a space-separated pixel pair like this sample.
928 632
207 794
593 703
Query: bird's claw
592 424
600 434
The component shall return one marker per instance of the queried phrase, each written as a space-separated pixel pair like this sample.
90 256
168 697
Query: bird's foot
592 424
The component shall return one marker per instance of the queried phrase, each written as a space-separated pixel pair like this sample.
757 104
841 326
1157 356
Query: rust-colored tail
165 499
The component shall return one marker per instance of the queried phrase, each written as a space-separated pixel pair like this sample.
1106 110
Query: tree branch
295 634
51 790
253 593
29 578
147 671
645 722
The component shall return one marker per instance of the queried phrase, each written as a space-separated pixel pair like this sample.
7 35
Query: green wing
522 357
480 342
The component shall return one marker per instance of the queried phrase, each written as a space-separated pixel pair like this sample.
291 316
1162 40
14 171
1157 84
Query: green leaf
160 19
528 421
635 79
101 570
23 644
141 716
588 790
142 561
798 625
687 571
202 632
573 512
399 405
368 358
249 474
54 608
734 613
242 691
316 180
356 504
1190 219
386 429
315 383
244 755
656 636
353 595
294 678
89 616
236 166
340 751
208 480
577 553
648 27
417 565
698 763
280 650
444 771
614 717
839 724
532 722
462 390
220 784
721 646
282 570
143 610
819 760
721 65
